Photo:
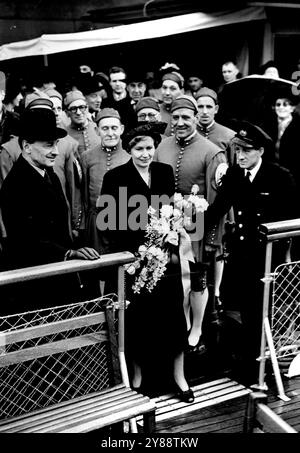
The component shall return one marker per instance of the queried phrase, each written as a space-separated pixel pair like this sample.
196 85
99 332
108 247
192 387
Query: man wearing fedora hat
90 88
67 164
252 187
195 160
37 225
34 209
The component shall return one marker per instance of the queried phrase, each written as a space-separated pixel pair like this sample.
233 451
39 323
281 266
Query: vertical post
45 60
268 43
121 335
265 313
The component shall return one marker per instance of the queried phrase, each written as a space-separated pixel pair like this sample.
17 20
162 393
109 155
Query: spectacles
81 108
151 116
282 104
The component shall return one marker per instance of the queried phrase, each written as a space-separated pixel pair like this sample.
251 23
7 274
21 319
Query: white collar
118 97
254 170
39 170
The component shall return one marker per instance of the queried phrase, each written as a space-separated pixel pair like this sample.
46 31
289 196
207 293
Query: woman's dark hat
39 124
154 130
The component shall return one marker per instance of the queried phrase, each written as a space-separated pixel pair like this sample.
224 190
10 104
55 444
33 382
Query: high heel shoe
187 396
137 389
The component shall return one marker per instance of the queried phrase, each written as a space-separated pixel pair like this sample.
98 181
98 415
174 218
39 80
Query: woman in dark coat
155 323
284 129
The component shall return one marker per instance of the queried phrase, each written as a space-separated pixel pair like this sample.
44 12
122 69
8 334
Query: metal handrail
279 230
64 267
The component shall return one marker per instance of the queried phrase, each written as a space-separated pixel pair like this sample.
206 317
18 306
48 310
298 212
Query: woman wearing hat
284 127
155 323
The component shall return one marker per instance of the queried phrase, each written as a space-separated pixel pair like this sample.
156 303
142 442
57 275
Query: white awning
50 44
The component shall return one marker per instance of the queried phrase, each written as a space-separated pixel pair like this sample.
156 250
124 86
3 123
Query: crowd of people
62 153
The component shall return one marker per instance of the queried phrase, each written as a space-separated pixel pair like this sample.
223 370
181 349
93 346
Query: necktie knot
247 176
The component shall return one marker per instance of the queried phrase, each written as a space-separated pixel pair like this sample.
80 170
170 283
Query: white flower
187 221
153 250
142 249
172 238
176 213
151 211
131 269
195 189
177 197
164 227
166 211
201 204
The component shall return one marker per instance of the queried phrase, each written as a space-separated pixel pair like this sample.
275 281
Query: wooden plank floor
219 407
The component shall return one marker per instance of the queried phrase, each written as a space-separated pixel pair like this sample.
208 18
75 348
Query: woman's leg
179 372
198 301
186 309
137 375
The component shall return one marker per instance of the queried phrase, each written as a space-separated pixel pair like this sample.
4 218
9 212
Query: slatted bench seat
69 347
85 414
61 370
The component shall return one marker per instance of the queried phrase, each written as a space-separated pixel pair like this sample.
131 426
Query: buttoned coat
35 216
269 197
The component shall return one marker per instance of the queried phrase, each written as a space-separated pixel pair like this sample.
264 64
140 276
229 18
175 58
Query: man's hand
84 253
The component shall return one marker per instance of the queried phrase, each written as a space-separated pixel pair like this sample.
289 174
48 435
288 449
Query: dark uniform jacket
269 197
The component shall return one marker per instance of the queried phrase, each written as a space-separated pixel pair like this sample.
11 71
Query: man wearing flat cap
195 160
148 110
253 187
97 162
81 128
33 205
207 101
208 105
171 88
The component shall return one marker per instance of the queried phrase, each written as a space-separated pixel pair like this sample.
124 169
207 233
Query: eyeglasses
81 108
282 104
144 116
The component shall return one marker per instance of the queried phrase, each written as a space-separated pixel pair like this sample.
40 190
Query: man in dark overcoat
259 191
34 209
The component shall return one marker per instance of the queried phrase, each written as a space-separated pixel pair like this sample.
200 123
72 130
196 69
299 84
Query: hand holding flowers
163 234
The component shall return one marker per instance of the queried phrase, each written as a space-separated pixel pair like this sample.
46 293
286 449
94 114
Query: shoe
138 389
187 396
218 304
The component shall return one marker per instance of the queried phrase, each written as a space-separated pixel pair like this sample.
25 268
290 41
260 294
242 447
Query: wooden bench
61 369
259 418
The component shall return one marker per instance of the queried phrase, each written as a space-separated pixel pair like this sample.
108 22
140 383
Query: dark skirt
155 325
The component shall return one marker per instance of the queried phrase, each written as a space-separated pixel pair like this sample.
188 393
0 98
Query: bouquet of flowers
162 232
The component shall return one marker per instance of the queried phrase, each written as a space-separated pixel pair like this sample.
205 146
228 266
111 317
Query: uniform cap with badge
250 136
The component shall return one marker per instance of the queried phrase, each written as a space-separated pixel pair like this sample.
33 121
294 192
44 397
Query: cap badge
243 133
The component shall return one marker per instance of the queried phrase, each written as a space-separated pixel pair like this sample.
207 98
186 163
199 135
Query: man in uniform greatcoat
259 191
195 160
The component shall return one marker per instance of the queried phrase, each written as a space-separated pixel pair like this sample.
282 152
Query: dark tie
248 174
47 177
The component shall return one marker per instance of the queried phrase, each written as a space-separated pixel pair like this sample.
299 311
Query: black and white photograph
149 220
